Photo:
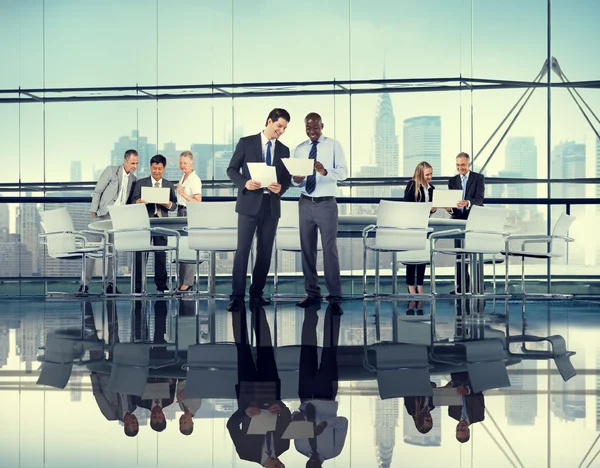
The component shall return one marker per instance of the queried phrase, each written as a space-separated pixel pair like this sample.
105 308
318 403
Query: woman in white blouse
189 190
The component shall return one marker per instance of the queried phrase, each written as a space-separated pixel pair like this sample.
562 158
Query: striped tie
311 180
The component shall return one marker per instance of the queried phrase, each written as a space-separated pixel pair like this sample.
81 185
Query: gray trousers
90 262
321 215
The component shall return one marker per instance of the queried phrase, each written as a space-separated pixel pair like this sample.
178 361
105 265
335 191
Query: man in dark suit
472 185
158 421
258 389
258 207
158 164
472 409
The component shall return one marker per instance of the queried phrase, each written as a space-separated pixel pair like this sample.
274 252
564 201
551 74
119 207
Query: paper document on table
299 167
262 173
299 430
446 198
262 423
446 397
156 194
156 390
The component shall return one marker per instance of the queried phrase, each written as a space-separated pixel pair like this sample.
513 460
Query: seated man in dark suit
258 389
473 407
472 185
158 422
420 408
158 164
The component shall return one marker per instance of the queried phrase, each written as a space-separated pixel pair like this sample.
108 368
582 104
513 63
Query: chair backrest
58 221
490 219
290 217
558 247
130 217
213 226
288 228
392 216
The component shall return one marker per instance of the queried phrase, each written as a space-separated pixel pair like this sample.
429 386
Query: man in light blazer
258 207
113 188
158 164
472 185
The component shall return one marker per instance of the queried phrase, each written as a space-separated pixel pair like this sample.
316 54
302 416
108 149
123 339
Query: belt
317 199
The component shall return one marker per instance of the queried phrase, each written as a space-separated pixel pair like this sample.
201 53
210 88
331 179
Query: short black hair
129 153
277 114
129 432
159 426
159 159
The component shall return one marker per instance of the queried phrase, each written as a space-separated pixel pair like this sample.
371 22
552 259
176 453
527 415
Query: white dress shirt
191 186
192 404
264 141
122 198
330 442
466 176
331 155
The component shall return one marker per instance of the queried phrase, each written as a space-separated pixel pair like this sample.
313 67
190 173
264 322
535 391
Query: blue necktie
268 444
464 189
311 180
268 155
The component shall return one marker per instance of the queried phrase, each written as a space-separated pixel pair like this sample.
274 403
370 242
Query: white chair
486 364
212 227
63 242
132 231
483 235
558 352
557 246
186 255
401 226
57 362
288 238
211 370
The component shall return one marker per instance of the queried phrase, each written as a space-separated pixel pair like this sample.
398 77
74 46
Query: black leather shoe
111 289
234 306
83 289
309 301
336 308
261 300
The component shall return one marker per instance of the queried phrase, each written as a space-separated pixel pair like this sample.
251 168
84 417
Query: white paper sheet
262 423
299 167
299 430
262 173
446 198
156 390
446 397
156 194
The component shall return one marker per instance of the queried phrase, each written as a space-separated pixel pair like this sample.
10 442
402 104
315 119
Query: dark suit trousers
458 245
160 264
265 226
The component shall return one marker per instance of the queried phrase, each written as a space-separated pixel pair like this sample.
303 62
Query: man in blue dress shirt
319 212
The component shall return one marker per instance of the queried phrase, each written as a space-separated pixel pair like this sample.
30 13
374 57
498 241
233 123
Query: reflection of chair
558 352
57 362
557 244
131 227
402 370
64 243
401 226
485 364
211 371
483 235
288 366
287 238
212 227
129 368
186 255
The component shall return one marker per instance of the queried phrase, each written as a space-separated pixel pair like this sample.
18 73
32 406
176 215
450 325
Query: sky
85 43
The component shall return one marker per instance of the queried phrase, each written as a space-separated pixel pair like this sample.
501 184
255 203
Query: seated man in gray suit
158 164
113 188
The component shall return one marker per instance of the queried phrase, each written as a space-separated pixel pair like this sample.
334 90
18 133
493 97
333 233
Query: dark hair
314 462
464 439
159 159
159 426
313 116
130 432
129 153
277 114
464 155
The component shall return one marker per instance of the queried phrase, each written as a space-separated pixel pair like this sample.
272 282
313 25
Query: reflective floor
386 384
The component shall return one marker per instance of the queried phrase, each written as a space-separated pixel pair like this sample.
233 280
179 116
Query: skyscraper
568 162
386 141
520 407
75 171
28 228
204 155
140 144
422 142
386 421
521 159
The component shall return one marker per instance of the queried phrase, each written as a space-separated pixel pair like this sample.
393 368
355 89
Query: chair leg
432 272
197 285
394 273
523 275
83 268
212 274
506 260
104 271
143 273
376 273
463 273
364 270
494 275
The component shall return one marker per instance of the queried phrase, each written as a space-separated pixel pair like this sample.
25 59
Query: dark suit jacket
409 193
249 149
149 182
249 447
165 401
474 193
475 401
412 403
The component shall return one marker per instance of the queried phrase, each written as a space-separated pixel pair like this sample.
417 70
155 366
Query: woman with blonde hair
189 190
419 189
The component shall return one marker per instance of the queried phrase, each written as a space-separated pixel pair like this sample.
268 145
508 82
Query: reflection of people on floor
420 408
258 390
473 406
158 421
189 406
317 389
415 308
